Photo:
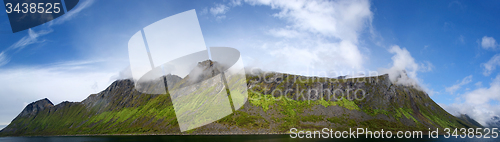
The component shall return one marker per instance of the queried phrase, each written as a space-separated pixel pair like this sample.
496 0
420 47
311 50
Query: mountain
276 103
466 118
494 122
35 107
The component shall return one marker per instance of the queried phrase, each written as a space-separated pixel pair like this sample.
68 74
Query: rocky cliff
34 107
276 103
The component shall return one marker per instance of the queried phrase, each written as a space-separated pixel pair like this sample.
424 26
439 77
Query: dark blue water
225 138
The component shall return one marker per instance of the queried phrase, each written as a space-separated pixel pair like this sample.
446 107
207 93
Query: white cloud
488 42
457 86
476 103
404 70
491 65
296 55
404 63
484 95
286 33
322 35
68 81
219 9
343 19
220 17
426 66
479 84
235 2
481 114
307 55
126 73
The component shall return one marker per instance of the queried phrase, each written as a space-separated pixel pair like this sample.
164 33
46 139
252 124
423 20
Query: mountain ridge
120 109
467 119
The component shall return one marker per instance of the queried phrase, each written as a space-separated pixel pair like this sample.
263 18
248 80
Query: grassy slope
154 114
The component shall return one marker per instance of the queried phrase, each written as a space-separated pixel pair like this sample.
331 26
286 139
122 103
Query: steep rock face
119 94
35 107
469 120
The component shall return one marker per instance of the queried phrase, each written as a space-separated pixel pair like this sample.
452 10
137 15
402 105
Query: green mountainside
277 102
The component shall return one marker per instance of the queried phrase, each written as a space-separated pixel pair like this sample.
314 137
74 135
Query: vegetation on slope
121 110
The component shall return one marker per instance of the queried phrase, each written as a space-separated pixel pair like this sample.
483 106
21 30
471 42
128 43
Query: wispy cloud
236 2
456 5
491 65
457 86
203 11
479 84
33 37
461 38
29 39
3 58
74 12
218 11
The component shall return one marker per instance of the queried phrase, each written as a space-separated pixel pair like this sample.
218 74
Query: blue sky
448 48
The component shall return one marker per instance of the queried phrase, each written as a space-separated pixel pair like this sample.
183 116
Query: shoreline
175 134
97 135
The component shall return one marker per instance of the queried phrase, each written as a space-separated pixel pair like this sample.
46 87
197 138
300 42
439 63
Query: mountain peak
204 70
466 118
34 107
494 122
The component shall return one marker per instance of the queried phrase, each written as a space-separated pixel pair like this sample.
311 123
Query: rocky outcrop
119 94
35 107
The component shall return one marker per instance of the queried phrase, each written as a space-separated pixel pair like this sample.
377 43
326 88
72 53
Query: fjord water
222 138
